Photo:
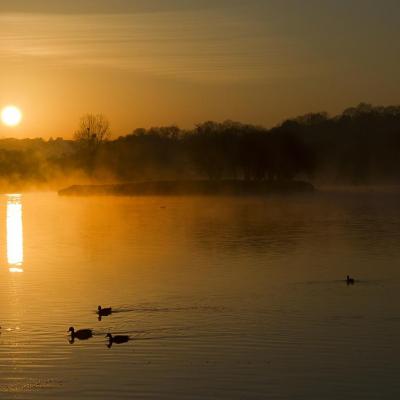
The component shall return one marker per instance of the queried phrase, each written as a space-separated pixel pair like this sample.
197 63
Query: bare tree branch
93 129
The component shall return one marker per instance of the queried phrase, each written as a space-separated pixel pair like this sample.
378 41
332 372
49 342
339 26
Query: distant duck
81 334
104 312
350 281
118 339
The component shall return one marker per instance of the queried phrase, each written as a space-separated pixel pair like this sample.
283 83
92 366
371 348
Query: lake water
225 298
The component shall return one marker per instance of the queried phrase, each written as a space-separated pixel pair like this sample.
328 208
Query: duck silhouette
104 312
81 334
118 339
350 281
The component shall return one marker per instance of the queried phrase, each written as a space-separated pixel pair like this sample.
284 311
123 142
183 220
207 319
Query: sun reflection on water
15 253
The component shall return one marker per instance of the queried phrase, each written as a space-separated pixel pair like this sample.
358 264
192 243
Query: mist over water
224 298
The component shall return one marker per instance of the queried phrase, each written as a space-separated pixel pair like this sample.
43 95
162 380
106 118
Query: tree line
359 146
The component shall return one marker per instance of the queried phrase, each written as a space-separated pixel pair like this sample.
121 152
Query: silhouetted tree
93 131
361 145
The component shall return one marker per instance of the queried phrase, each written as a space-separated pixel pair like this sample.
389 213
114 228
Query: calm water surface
225 298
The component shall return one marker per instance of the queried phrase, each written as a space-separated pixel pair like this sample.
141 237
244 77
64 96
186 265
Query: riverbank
193 187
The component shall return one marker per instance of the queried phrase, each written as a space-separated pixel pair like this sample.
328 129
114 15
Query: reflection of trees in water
236 229
241 236
371 221
157 227
367 223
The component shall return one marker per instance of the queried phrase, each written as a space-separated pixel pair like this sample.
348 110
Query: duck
350 281
104 311
118 339
81 334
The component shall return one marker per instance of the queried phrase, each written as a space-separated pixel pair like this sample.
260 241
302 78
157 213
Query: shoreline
190 187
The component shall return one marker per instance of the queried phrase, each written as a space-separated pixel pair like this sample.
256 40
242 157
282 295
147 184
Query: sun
11 116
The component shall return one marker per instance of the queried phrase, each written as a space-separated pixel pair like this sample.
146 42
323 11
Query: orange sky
187 62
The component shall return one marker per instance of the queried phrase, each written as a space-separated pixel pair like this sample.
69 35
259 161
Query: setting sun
11 116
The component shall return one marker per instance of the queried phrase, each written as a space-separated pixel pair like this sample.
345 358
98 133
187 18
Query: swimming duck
118 339
350 281
104 311
81 334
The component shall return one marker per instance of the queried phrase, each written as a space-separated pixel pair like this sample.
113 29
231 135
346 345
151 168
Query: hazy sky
159 62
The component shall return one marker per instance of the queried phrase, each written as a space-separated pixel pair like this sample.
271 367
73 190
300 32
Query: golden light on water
15 253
